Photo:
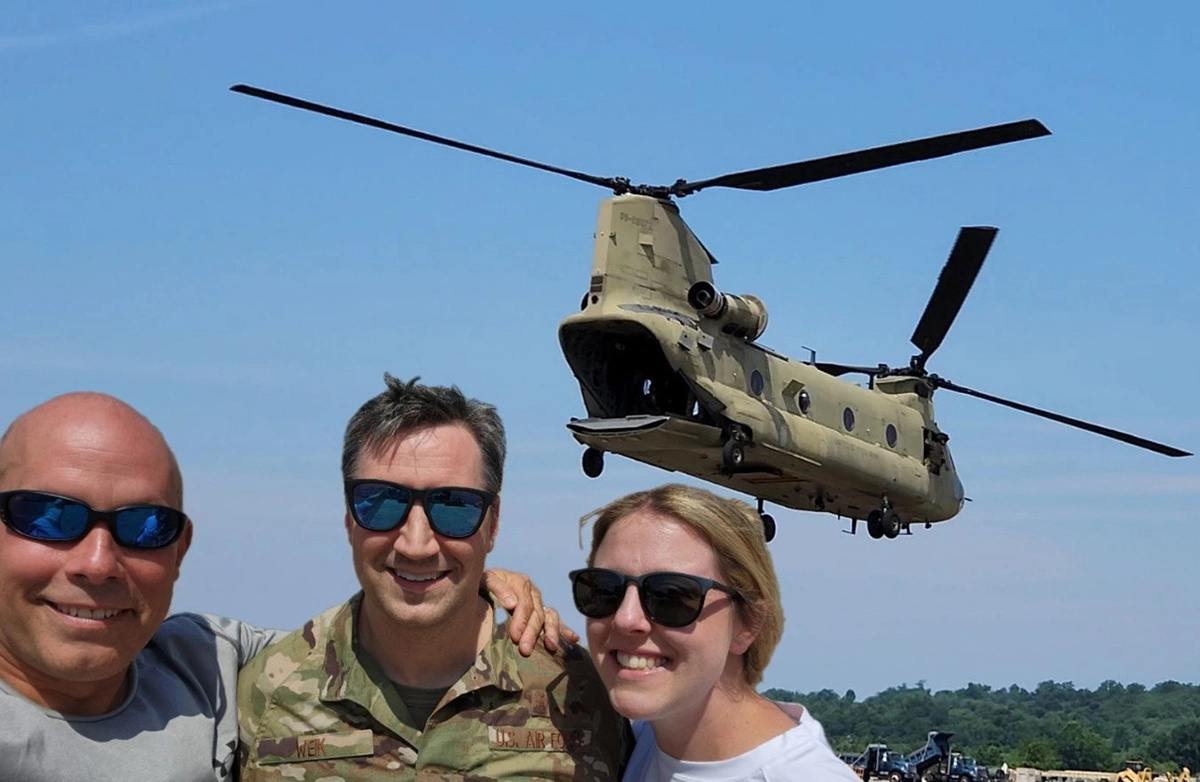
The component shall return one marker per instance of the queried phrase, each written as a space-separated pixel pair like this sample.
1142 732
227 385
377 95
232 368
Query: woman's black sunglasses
381 506
48 517
668 599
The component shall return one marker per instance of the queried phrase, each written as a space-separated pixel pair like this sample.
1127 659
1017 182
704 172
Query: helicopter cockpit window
756 383
804 401
891 435
848 419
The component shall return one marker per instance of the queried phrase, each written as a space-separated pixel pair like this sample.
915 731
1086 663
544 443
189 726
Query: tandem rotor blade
806 171
954 283
1104 431
287 100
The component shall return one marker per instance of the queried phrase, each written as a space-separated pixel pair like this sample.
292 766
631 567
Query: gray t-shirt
178 724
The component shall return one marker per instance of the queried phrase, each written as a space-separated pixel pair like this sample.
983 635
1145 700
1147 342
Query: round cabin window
756 383
891 435
848 419
804 401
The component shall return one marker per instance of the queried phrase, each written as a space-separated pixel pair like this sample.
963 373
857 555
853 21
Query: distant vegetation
1055 726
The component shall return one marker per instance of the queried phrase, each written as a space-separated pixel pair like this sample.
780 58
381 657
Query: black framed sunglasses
453 511
51 518
668 599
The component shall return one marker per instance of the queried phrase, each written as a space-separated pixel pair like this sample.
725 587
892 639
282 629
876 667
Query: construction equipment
877 761
1135 771
927 758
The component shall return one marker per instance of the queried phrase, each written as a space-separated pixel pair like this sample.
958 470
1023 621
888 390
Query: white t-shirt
802 753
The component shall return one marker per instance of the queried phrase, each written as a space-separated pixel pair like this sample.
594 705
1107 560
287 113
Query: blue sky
244 273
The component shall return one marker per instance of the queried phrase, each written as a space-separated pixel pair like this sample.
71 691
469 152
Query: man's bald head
97 423
100 452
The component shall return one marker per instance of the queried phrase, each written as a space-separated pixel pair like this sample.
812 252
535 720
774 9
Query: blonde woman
683 613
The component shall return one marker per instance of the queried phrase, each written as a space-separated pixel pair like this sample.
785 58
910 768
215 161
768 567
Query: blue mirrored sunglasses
49 517
453 511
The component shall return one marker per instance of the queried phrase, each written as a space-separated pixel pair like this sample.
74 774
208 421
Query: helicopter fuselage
671 386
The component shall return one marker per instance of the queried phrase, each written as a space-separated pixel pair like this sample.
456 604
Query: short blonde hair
734 530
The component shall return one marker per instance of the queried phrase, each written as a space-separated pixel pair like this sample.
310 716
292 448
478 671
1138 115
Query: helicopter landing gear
890 520
733 453
768 522
733 456
875 524
885 523
593 462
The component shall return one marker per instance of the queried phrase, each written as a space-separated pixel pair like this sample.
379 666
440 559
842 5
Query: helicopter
672 375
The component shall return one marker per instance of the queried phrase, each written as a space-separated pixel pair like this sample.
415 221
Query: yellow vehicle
1135 771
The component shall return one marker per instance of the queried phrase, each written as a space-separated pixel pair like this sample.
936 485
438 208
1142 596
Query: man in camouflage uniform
412 678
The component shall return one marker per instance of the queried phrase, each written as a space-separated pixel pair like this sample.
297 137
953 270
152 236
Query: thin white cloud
109 30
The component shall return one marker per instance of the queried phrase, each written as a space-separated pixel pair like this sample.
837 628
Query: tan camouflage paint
315 707
645 260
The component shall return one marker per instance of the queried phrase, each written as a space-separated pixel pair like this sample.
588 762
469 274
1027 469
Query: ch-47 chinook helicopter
671 374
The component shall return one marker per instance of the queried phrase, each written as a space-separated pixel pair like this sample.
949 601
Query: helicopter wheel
733 456
593 462
768 522
889 522
875 524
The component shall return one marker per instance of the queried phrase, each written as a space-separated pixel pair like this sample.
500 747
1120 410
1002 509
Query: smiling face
661 673
74 615
412 578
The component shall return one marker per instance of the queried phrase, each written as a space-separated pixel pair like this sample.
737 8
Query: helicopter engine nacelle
739 316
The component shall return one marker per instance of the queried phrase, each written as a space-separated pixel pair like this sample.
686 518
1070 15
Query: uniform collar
350 673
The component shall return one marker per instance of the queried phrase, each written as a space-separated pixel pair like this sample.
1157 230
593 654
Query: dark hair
406 407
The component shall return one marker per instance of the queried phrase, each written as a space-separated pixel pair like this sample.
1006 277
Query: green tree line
1054 726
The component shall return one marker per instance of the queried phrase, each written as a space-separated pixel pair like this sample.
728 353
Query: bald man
96 681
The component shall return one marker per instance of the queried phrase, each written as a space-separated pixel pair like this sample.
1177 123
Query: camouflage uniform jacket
316 706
